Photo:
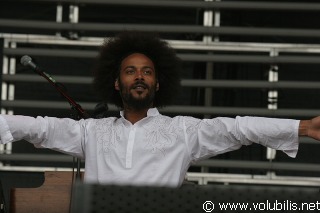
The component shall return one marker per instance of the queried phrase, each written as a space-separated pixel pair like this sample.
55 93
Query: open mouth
140 87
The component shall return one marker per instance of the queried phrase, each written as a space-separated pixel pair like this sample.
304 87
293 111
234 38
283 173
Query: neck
134 115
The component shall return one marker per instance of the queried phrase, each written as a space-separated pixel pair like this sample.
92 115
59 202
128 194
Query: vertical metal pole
74 18
11 89
7 92
4 89
272 101
59 16
209 19
208 22
5 70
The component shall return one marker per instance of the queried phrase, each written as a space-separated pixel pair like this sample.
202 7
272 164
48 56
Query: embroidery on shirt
195 126
192 125
107 135
161 134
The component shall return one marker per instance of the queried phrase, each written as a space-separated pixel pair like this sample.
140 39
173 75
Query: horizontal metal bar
291 113
250 84
244 46
176 44
37 157
101 27
208 163
42 104
206 178
250 58
259 165
236 5
184 56
52 39
50 52
184 82
36 78
306 140
177 109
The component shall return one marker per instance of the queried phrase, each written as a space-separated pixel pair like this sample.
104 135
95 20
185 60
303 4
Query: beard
137 103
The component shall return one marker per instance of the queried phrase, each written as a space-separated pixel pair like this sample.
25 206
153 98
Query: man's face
137 81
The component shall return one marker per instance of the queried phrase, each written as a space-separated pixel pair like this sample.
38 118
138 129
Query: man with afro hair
139 72
114 50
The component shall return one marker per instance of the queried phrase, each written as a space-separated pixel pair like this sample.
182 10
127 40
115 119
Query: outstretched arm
310 128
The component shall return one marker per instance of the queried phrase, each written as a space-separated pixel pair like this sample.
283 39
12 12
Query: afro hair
115 49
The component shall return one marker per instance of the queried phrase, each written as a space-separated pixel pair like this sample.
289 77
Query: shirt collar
151 112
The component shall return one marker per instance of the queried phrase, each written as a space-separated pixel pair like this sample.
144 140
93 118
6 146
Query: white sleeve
5 134
279 134
64 135
210 137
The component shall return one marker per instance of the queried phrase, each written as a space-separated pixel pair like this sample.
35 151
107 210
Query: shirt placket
130 147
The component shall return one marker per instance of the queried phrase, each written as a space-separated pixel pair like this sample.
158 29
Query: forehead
137 59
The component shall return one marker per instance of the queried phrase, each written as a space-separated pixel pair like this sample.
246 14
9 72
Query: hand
310 128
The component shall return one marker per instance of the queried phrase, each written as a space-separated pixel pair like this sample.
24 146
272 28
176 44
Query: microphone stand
80 113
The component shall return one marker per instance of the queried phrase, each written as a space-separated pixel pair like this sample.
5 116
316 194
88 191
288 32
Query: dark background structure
258 58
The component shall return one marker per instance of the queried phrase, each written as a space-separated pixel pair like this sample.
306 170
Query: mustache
140 84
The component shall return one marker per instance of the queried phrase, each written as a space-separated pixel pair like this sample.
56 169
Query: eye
147 72
130 71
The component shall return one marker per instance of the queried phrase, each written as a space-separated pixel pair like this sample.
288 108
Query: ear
116 85
157 86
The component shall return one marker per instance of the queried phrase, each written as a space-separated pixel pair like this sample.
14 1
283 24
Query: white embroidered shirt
156 150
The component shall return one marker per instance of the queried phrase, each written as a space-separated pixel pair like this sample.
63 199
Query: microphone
27 62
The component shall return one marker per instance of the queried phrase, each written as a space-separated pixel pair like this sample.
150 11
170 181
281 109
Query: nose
139 75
